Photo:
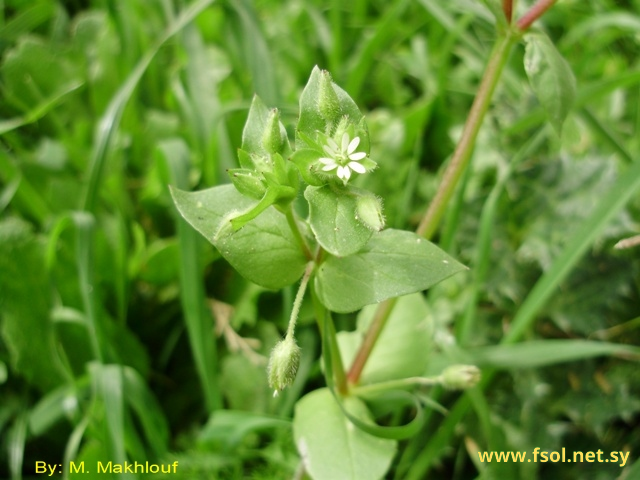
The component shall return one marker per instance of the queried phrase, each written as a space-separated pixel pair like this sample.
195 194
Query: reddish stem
507 8
534 13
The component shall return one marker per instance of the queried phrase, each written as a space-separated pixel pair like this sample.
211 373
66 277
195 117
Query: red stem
534 13
507 8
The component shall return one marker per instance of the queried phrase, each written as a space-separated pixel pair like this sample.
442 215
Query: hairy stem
297 303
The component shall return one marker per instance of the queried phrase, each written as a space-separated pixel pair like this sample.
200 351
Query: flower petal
333 145
353 145
356 167
329 167
357 156
326 161
345 142
329 150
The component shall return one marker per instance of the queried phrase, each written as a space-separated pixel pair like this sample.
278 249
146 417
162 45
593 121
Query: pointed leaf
331 447
264 251
551 78
393 263
311 118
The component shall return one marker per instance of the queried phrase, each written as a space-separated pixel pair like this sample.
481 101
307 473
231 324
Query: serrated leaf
551 78
403 348
331 447
393 263
332 215
264 251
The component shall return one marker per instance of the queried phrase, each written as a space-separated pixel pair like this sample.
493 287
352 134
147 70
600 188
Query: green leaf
227 428
403 348
333 219
331 447
551 78
537 354
151 417
264 251
312 120
393 263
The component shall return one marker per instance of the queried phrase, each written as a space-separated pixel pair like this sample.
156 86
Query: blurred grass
104 103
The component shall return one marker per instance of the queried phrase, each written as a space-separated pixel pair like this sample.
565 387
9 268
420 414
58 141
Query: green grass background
124 335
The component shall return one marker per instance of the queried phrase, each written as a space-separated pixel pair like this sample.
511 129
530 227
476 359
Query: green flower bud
460 377
328 103
247 182
272 136
369 212
283 364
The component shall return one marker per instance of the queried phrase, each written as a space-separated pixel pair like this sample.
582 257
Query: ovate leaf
331 447
393 263
551 78
264 251
332 215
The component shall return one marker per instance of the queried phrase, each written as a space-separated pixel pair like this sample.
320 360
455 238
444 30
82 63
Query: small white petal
357 156
326 161
353 145
344 173
356 167
332 143
329 167
329 151
345 142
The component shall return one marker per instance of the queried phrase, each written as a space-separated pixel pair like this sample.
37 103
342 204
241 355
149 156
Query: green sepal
312 119
260 134
247 182
306 159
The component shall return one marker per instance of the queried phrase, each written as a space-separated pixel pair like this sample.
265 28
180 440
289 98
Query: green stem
293 225
323 314
336 358
462 153
297 303
397 384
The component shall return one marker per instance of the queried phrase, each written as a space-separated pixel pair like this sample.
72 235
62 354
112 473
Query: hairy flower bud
460 377
272 136
328 103
369 212
283 364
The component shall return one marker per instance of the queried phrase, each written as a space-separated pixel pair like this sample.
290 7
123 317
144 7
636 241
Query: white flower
344 158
